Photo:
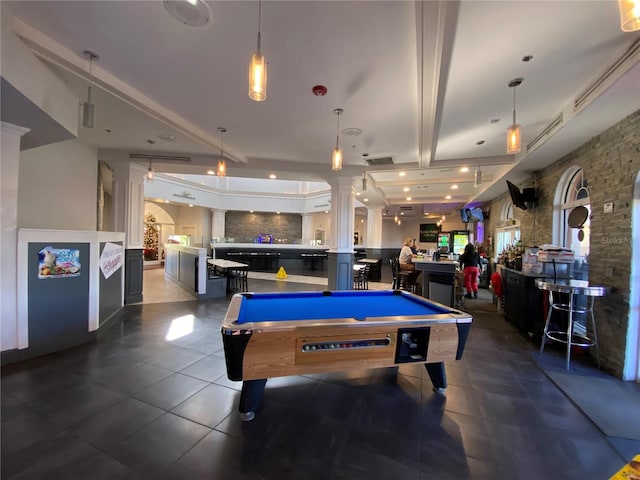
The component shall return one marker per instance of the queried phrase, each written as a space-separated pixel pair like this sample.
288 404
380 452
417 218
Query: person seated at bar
470 264
405 260
414 247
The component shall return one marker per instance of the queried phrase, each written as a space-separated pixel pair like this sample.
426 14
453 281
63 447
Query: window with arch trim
572 191
508 234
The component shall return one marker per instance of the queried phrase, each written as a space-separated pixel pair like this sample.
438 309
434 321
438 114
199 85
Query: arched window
509 232
572 191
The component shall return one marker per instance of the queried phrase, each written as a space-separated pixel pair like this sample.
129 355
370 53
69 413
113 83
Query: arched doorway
631 369
158 226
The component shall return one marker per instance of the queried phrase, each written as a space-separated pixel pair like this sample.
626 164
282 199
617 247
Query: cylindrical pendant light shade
477 180
222 168
87 115
629 15
258 77
513 139
336 159
150 175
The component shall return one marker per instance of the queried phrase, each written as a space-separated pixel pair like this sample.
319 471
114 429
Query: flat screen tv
516 196
471 215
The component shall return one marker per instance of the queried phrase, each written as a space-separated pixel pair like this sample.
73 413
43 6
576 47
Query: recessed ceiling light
454 187
402 174
326 211
358 194
409 199
278 213
401 213
166 201
405 189
210 172
366 199
250 211
272 176
191 204
464 169
426 213
448 197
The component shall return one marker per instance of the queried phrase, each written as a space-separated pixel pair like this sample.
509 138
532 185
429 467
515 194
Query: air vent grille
380 161
164 158
406 208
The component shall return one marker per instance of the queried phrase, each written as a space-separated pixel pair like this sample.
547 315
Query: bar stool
569 337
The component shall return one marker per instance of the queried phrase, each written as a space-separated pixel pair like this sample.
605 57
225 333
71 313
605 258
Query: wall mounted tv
516 196
471 215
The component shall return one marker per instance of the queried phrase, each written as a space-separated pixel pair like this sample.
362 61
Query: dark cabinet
523 302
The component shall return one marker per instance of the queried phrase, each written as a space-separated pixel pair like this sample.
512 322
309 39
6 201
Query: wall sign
429 232
58 262
110 259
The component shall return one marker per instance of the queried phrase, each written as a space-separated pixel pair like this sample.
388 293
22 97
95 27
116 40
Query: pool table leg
250 398
437 375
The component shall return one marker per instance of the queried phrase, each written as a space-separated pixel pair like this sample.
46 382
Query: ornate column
128 213
340 258
307 229
374 232
9 168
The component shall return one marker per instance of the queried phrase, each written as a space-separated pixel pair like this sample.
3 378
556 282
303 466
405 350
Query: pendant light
513 132
364 182
258 68
222 165
87 107
149 175
477 178
629 15
336 158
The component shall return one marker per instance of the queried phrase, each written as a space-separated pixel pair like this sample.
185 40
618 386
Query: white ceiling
421 80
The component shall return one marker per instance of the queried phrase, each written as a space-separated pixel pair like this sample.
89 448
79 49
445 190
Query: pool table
279 334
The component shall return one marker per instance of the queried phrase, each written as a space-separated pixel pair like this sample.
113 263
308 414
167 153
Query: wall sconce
222 165
629 15
88 107
513 132
336 158
258 68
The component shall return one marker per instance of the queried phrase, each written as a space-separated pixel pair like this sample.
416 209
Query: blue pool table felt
272 307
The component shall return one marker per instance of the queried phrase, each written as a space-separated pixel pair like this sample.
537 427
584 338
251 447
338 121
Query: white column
308 233
342 215
374 228
128 203
9 170
217 223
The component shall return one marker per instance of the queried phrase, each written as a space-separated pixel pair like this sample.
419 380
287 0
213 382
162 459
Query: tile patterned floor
142 403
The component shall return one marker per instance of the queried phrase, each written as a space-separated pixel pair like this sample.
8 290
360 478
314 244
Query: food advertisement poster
58 262
110 259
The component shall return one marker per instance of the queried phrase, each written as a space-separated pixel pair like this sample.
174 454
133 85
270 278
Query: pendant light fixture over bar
149 175
87 107
336 158
364 182
222 165
258 68
477 179
629 15
513 132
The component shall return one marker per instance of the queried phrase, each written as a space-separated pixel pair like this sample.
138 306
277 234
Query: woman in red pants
470 264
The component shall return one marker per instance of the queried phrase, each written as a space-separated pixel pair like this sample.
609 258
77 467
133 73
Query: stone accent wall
610 162
244 227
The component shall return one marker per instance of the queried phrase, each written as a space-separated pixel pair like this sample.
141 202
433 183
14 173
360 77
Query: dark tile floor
136 405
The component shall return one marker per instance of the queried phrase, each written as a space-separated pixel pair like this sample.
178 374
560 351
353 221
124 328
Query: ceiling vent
611 74
163 158
548 131
406 208
186 195
380 161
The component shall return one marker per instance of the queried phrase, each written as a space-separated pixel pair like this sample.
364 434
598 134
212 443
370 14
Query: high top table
572 288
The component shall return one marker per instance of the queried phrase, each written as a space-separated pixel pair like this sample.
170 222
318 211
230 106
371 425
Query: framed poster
58 262
429 232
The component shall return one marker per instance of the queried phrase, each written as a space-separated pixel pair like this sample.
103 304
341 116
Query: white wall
57 187
198 217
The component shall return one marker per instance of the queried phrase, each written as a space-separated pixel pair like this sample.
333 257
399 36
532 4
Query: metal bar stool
569 337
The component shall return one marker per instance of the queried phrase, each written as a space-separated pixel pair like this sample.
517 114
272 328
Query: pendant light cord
259 21
514 104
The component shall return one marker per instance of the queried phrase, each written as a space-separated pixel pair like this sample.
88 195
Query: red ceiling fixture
319 90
